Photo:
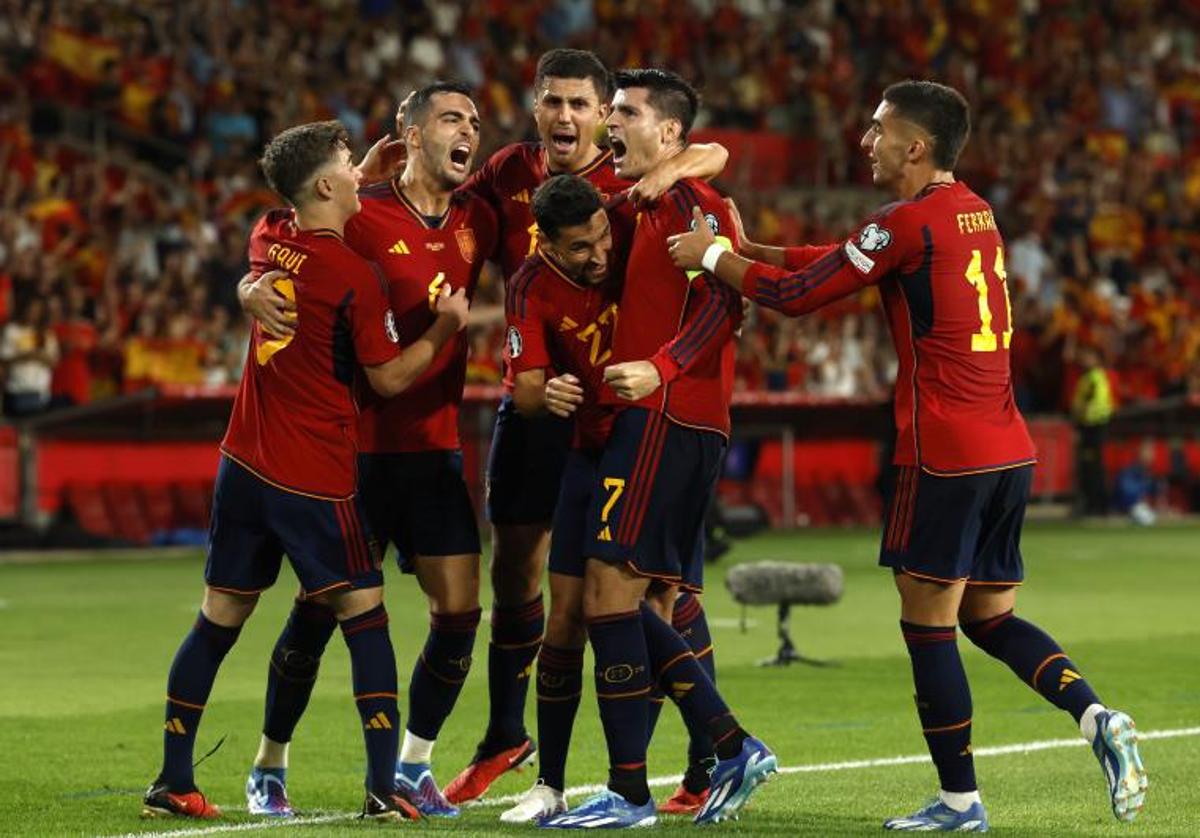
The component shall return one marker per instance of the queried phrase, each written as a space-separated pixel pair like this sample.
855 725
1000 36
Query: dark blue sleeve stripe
680 204
800 283
692 340
703 327
685 340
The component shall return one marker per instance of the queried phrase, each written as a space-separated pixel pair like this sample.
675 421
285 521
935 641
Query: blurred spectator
1135 487
1092 408
30 350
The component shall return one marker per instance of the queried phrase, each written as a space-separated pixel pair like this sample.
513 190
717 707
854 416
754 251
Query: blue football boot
734 780
938 817
604 810
266 793
416 779
1115 746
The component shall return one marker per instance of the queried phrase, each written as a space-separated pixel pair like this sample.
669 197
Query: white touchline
814 768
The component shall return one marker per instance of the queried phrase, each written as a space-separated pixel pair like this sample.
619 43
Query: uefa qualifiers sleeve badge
512 341
872 239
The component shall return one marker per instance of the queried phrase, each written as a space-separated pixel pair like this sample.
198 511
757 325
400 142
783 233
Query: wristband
711 255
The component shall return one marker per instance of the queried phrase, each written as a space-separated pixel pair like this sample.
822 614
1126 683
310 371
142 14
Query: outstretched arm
830 275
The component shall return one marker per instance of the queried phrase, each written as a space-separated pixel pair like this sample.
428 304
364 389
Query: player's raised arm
699 160
837 271
396 375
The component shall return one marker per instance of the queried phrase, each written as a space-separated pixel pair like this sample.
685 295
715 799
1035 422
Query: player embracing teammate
964 459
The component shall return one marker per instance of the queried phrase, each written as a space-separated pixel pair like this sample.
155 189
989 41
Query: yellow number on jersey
267 348
615 486
435 288
532 239
985 339
595 334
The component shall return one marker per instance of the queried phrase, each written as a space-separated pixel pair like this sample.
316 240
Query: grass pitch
85 647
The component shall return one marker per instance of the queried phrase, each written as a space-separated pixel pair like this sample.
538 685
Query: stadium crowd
118 260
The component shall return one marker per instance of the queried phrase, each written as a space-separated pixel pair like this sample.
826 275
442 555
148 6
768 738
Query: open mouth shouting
563 143
460 157
618 148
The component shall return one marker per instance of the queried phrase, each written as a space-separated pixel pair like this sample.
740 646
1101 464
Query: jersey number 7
985 339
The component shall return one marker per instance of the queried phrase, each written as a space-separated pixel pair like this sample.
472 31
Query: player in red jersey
561 310
527 455
287 477
670 381
422 232
964 459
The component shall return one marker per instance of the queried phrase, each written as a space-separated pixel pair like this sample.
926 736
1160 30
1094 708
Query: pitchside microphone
785 584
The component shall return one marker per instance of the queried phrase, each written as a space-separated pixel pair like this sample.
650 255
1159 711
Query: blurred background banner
129 134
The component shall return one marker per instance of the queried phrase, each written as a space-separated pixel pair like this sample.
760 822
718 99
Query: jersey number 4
985 339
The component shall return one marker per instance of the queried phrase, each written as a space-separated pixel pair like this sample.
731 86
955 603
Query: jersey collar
553 266
421 218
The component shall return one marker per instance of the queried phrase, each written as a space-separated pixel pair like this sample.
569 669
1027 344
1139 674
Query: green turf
85 648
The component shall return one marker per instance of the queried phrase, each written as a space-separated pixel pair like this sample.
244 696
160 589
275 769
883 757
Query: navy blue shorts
569 536
951 529
652 488
254 523
419 502
525 466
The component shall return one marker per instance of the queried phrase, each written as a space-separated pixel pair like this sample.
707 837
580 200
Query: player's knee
346 605
228 609
451 583
518 560
565 627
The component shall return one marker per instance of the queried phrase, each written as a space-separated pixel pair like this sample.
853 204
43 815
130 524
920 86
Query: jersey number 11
985 339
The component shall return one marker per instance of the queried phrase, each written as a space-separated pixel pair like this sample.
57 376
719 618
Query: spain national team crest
466 243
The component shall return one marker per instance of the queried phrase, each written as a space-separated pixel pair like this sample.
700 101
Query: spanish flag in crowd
80 54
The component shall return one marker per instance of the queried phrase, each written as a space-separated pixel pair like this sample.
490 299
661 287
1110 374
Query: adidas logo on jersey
522 197
399 248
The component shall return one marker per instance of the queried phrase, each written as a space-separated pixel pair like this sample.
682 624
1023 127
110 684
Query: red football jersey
939 263
684 325
556 324
294 420
508 180
416 255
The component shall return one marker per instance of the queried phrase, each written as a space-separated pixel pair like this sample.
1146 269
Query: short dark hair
422 99
940 110
296 154
565 63
564 201
670 96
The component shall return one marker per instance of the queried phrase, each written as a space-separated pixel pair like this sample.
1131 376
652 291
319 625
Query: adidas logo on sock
379 721
1068 677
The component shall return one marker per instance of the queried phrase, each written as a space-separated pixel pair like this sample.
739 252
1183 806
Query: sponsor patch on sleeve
861 261
389 326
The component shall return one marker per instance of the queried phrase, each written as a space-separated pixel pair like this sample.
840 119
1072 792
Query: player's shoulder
277 223
524 155
525 284
675 206
470 204
383 190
